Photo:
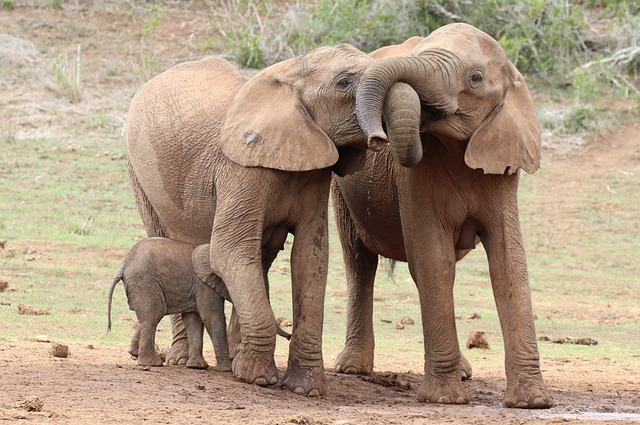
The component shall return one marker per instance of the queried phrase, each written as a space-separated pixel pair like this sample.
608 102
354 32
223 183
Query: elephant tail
283 333
116 279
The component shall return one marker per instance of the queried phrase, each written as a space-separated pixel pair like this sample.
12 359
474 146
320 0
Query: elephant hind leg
360 264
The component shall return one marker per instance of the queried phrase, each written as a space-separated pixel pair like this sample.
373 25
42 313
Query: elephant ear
510 136
200 258
268 126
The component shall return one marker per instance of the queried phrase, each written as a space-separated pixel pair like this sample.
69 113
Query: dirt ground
101 384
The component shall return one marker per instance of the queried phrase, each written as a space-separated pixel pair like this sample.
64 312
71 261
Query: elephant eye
476 78
344 82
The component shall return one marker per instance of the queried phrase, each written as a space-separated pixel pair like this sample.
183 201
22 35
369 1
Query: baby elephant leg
210 306
195 328
147 355
135 342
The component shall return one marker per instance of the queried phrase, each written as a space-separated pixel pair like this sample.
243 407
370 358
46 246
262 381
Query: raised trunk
428 76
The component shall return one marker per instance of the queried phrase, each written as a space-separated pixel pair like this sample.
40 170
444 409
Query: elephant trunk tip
377 141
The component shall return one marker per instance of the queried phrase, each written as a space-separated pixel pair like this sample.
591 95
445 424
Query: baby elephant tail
283 333
116 279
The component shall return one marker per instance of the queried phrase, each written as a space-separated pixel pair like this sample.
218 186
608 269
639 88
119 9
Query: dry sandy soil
101 384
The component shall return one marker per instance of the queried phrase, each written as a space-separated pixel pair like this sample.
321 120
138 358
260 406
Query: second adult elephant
460 124
240 163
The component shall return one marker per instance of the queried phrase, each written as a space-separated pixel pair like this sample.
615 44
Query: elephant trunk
427 76
402 115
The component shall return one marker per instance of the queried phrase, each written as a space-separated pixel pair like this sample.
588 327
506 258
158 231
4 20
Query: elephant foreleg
510 282
433 269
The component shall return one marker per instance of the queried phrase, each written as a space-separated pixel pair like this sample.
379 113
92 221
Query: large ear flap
510 136
200 258
267 125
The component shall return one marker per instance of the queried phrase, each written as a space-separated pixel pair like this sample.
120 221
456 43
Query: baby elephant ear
510 137
200 258
267 126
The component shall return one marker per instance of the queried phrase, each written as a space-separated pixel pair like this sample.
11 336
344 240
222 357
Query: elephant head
298 115
461 88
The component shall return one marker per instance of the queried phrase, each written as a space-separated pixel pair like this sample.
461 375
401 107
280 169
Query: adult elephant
460 124
239 163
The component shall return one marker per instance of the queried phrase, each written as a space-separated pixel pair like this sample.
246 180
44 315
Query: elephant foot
150 360
197 363
355 361
179 352
134 352
309 381
443 390
465 368
255 367
528 393
223 366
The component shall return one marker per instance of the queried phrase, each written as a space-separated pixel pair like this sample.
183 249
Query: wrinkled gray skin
159 279
460 123
240 163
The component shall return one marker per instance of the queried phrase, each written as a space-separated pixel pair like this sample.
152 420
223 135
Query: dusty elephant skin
159 279
215 157
460 123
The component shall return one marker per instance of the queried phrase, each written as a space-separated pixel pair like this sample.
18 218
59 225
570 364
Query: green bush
547 40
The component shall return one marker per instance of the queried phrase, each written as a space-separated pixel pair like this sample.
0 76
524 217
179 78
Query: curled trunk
428 77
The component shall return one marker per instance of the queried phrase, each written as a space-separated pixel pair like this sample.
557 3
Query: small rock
2 244
3 285
59 350
91 347
28 310
408 321
43 338
283 322
478 339
399 326
473 316
33 404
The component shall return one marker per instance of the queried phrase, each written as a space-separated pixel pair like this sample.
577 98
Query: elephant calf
159 279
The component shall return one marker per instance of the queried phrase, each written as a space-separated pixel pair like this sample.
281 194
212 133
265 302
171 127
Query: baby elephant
159 279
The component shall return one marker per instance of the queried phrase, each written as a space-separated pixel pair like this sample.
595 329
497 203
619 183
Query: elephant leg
179 352
135 341
465 368
309 263
234 337
360 265
147 355
194 327
507 266
210 305
253 361
433 270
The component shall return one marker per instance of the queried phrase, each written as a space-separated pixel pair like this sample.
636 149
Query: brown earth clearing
99 383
